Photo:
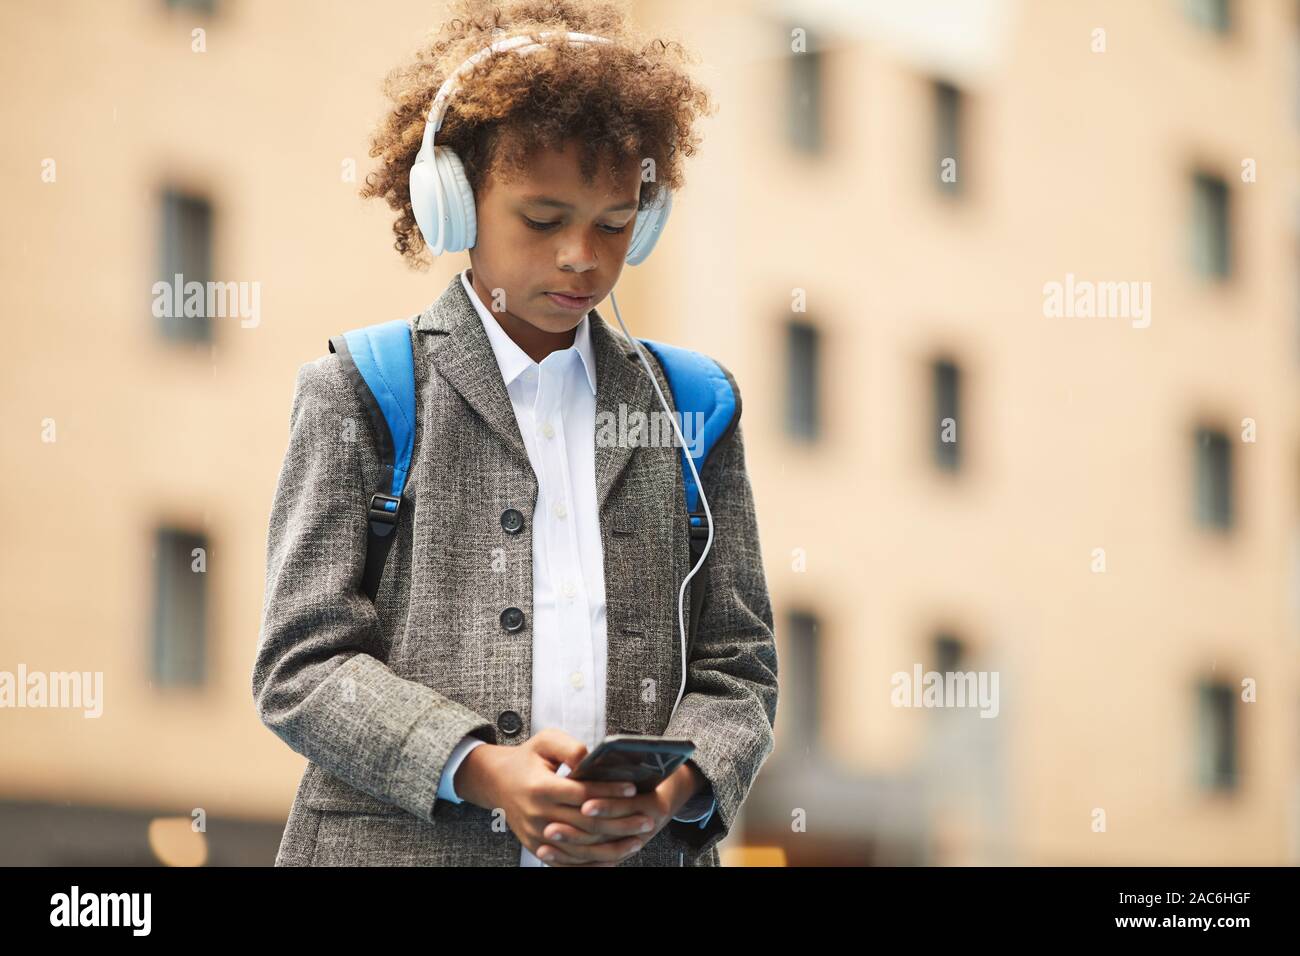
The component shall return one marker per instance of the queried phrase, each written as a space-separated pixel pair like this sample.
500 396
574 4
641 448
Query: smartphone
644 760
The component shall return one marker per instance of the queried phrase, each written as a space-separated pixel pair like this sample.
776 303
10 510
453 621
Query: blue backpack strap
699 385
378 361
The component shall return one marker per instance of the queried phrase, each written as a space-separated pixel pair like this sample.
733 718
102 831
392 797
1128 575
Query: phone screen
644 761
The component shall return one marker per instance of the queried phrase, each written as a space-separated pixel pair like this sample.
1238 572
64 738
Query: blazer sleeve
729 706
320 678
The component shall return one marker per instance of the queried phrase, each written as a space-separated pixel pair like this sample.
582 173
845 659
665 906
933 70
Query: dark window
949 109
803 683
180 607
802 361
946 388
202 6
1217 736
1213 478
1211 226
949 653
186 251
804 107
1213 15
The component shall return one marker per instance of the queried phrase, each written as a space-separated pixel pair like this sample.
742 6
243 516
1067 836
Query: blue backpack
379 363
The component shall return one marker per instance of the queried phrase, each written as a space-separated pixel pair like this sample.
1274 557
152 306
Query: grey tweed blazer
376 694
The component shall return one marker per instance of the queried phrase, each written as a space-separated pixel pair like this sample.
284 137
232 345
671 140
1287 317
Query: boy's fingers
612 851
562 833
554 857
559 747
601 827
560 752
575 793
605 808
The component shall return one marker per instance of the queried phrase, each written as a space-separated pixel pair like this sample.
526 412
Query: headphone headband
523 43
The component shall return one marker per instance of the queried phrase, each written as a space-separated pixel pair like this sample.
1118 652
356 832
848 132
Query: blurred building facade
1010 290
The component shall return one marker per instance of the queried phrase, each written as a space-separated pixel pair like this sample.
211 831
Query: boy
528 606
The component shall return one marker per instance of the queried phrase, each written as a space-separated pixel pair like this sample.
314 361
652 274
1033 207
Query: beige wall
1075 431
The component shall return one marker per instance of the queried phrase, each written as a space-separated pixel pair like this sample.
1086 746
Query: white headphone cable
690 459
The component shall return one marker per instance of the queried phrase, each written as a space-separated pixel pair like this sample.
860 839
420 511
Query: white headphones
444 209
441 196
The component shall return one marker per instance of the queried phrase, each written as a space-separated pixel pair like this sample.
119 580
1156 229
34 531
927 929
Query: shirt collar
514 361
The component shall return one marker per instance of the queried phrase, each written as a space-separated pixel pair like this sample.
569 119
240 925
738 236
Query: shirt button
548 431
568 589
560 510
576 678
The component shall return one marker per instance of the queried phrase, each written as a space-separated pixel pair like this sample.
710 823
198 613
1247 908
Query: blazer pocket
333 794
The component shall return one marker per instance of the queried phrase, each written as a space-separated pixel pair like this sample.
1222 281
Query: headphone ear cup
424 200
457 201
650 223
443 202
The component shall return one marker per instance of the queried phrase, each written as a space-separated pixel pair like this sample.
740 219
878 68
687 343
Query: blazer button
509 723
512 520
512 619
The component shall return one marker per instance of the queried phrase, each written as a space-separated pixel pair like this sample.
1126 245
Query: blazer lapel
458 346
620 381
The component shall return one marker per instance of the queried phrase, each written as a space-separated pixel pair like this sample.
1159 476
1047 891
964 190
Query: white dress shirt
555 405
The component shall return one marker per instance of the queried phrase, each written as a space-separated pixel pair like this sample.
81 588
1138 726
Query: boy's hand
566 840
522 781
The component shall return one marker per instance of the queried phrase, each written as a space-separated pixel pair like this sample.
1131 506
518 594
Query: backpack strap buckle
384 508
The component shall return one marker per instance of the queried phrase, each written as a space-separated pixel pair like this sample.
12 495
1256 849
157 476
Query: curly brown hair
627 99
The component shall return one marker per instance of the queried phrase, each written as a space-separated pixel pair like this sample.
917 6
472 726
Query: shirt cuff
446 783
690 814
